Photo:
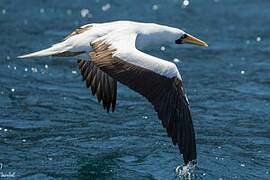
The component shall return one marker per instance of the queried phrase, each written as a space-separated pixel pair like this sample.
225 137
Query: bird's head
154 34
185 38
176 36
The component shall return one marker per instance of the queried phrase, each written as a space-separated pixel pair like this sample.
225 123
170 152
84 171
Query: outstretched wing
100 82
158 80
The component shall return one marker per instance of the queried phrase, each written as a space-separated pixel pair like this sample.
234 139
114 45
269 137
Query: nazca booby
111 52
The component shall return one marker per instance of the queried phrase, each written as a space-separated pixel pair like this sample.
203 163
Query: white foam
42 10
106 7
155 7
34 69
84 12
176 60
162 48
69 11
185 2
185 172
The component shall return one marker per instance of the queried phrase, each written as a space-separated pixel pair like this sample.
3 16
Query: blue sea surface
52 128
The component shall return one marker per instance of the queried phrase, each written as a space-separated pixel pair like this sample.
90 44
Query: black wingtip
189 157
191 163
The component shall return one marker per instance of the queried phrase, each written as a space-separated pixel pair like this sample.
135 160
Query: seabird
110 52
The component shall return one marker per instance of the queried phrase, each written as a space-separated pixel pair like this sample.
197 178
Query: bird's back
78 42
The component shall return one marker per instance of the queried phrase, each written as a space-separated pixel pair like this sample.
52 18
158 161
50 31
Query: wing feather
79 31
165 93
104 86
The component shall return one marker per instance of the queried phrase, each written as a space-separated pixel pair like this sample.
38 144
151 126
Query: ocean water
52 128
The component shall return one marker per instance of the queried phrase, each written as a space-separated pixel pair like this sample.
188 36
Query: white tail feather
55 49
37 54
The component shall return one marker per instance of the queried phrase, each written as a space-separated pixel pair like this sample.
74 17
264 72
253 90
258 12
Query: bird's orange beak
192 40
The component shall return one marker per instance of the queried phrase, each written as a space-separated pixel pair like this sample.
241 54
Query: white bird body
125 37
111 52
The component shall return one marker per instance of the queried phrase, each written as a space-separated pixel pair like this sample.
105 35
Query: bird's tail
60 49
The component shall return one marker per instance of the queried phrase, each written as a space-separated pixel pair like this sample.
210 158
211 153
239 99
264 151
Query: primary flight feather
111 52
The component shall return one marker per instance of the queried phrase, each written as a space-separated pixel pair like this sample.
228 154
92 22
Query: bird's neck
152 37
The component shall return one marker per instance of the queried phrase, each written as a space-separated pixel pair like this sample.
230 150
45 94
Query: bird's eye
184 36
179 41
